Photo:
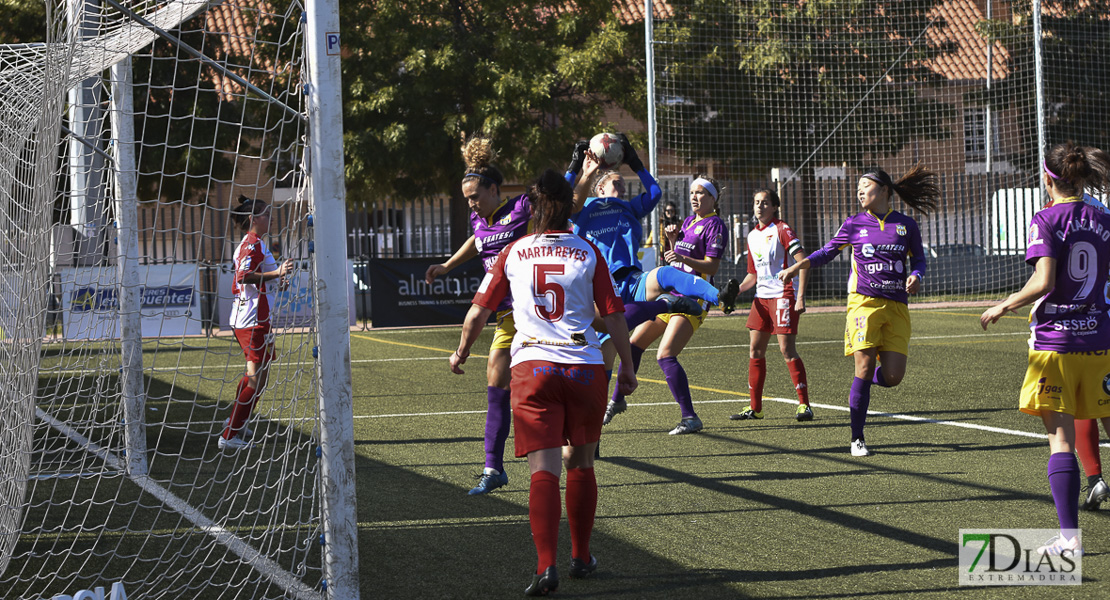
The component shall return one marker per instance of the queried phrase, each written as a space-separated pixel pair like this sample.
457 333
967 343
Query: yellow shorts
1075 383
695 321
506 329
876 323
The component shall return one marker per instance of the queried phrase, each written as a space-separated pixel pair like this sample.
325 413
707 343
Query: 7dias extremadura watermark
1020 557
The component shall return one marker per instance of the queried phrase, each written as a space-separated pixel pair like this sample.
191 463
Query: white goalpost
127 133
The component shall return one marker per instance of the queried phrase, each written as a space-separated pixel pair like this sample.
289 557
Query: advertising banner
170 301
399 297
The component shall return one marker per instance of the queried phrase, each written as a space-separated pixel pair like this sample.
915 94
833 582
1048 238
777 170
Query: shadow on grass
87 524
424 538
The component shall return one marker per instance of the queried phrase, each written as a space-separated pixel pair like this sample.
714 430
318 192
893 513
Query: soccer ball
607 148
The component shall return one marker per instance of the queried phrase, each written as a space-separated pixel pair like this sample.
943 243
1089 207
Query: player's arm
916 260
582 188
706 266
803 279
751 278
255 275
618 332
823 255
493 289
476 319
747 283
465 252
259 276
611 309
1040 283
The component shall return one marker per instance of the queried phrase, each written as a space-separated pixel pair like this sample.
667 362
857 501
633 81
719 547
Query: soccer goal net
802 97
129 129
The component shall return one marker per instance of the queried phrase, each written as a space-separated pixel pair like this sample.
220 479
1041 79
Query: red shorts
257 343
555 404
774 315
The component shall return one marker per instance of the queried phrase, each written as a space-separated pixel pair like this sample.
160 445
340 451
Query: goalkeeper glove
578 157
630 158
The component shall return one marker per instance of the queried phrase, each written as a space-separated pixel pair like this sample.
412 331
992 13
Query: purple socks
680 386
636 313
877 377
498 416
1063 478
858 401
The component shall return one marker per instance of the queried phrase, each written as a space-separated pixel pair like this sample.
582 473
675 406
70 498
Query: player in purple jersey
1069 351
888 263
496 224
698 245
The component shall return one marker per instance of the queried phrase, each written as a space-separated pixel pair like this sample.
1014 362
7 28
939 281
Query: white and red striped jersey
771 249
555 278
251 305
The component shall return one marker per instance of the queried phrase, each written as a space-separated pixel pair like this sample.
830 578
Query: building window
975 134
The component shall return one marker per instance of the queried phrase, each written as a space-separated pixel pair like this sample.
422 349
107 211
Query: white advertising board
90 304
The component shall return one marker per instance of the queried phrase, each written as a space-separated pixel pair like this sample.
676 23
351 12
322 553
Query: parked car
944 250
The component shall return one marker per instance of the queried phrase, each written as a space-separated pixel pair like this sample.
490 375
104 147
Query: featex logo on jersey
1012 557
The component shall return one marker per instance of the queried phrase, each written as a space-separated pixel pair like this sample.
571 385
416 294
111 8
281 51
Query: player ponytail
478 155
247 208
918 187
1074 168
552 201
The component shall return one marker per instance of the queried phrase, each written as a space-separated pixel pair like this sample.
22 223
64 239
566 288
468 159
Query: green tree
767 83
24 21
1076 76
534 74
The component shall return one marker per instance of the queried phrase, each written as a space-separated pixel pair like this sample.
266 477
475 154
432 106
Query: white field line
245 551
988 428
238 369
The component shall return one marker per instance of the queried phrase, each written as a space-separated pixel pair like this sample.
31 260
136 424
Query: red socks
544 512
581 509
1086 445
757 374
241 411
798 375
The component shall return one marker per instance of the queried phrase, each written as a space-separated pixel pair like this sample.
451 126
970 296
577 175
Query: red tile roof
967 60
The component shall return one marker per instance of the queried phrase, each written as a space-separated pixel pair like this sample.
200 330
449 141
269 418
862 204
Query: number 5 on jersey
548 292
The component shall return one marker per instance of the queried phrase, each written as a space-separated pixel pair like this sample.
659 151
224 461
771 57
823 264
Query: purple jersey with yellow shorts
885 252
1069 349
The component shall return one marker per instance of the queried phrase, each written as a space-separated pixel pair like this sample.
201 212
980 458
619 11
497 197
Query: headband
877 179
705 183
604 178
1044 163
482 177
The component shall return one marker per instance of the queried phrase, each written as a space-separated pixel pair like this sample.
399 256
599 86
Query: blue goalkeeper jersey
613 225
